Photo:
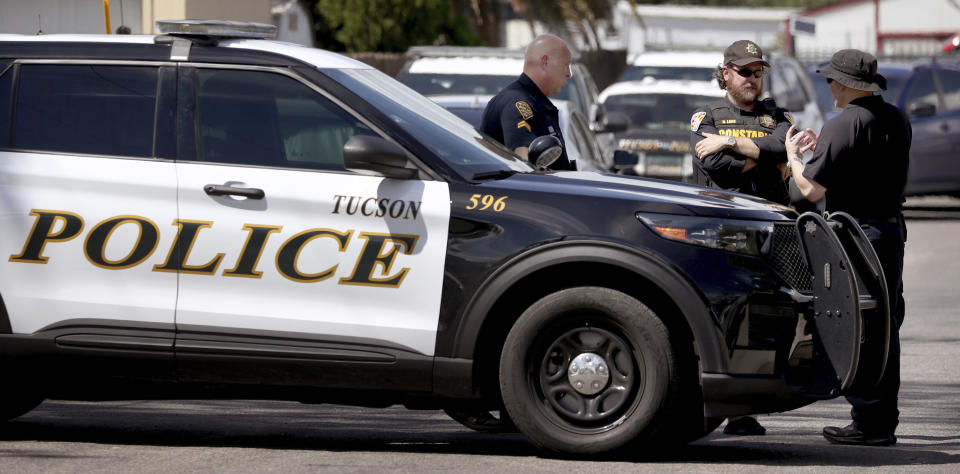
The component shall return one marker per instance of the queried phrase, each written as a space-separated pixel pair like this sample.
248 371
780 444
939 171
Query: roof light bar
217 28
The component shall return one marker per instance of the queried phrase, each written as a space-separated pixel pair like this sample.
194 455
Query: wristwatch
731 142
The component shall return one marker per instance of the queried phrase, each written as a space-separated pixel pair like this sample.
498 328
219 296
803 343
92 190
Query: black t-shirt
766 125
862 157
519 113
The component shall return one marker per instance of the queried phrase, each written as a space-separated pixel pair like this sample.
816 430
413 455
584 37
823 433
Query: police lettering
373 207
373 267
741 133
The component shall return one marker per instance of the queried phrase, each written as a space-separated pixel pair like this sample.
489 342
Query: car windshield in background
469 114
439 84
636 73
658 111
478 84
452 139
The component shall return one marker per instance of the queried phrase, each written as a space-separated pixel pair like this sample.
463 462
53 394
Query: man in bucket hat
739 140
860 163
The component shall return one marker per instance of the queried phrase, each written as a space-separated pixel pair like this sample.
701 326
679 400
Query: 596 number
482 202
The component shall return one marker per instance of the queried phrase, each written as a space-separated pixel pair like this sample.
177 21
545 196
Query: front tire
588 370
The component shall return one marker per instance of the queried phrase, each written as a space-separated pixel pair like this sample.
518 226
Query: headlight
749 237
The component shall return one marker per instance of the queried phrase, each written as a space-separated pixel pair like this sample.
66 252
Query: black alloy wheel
588 370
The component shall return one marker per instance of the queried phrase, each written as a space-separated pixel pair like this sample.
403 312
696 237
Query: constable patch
525 110
695 121
768 121
788 116
524 124
751 48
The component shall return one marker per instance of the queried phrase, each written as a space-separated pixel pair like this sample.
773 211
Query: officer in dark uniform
522 111
739 139
860 164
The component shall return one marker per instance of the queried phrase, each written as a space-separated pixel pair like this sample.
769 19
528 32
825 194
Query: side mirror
544 151
370 153
921 109
616 122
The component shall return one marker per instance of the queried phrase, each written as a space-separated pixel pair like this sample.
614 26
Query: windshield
473 84
636 73
453 140
658 111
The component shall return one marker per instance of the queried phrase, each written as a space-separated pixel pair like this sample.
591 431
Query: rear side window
261 118
921 91
6 97
88 109
950 81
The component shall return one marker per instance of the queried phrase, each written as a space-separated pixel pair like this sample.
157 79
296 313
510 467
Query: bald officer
522 111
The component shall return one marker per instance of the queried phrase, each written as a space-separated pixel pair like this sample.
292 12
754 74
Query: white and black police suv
205 213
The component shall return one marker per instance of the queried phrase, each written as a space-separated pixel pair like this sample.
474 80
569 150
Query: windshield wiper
497 174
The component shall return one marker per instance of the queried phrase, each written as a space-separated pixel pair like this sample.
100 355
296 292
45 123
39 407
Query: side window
262 118
6 98
921 91
950 82
95 109
586 146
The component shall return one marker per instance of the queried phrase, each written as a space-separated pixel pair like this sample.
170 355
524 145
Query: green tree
388 25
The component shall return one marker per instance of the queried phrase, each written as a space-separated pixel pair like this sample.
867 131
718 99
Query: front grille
787 258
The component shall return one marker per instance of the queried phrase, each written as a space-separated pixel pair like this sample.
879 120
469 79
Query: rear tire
554 346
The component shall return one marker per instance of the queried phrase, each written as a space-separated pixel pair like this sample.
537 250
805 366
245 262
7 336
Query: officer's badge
751 48
695 121
524 124
788 116
525 110
768 121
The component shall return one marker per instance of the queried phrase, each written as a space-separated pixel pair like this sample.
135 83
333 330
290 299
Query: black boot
851 434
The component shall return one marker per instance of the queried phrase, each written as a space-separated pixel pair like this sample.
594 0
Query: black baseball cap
855 69
743 52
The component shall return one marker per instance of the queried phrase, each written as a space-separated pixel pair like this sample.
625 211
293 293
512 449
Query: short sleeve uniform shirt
519 113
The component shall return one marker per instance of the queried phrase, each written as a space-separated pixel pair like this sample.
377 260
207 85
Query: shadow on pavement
290 426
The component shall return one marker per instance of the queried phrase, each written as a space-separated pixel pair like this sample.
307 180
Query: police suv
205 213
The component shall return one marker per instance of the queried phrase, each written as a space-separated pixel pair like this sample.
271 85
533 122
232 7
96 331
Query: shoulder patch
788 116
524 108
695 120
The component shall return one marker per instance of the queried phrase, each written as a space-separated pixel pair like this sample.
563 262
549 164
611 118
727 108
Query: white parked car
659 112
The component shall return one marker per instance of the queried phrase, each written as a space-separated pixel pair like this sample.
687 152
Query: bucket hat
855 69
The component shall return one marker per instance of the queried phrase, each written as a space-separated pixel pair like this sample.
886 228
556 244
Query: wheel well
553 278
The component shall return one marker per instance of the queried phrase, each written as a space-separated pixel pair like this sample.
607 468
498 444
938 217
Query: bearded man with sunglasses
739 139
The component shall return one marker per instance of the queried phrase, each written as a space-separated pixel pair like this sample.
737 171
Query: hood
639 140
650 195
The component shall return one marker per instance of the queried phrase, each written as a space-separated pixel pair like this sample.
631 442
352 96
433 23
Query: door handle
222 190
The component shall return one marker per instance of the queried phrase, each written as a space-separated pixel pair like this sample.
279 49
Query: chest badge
768 121
525 110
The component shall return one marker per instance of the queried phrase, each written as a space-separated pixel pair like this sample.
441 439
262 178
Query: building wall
237 10
903 27
67 16
663 27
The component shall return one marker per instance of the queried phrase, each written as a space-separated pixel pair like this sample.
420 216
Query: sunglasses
829 81
757 73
